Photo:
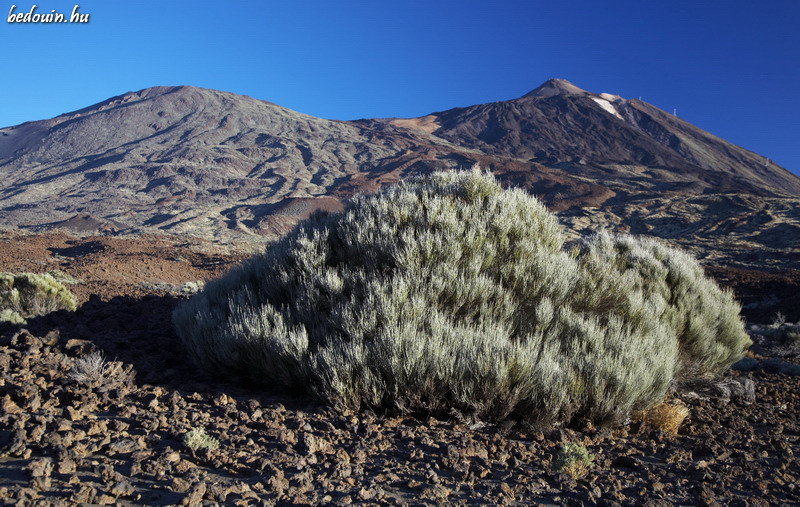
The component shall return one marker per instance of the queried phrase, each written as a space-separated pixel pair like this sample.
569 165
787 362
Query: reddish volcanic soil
114 266
119 441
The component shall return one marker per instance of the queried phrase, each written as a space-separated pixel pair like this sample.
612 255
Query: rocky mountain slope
185 160
227 167
628 144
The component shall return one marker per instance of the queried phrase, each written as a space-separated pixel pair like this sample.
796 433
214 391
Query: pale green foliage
197 438
28 295
573 460
441 293
704 318
10 316
64 278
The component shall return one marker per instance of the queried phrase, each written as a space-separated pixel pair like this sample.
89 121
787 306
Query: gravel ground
119 438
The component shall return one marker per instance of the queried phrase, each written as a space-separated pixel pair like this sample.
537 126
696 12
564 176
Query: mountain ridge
225 167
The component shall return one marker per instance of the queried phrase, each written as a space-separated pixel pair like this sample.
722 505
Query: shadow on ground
139 332
136 331
762 294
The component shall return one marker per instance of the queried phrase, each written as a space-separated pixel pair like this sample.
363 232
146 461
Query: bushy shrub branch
25 295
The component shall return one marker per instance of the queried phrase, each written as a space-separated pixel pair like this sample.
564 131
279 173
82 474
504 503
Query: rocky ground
118 437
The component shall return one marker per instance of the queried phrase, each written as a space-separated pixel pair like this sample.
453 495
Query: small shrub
186 288
66 278
197 438
93 370
10 316
779 319
191 287
788 334
665 417
572 460
781 336
448 292
30 295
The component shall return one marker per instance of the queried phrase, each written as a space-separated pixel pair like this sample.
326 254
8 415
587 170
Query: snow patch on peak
611 97
607 106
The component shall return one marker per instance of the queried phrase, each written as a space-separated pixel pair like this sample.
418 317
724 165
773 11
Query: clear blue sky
731 67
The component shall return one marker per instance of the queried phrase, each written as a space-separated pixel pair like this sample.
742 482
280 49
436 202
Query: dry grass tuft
94 370
666 417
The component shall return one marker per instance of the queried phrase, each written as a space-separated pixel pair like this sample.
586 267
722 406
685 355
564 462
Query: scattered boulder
723 390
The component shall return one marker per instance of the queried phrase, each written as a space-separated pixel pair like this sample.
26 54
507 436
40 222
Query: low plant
191 287
779 319
94 370
197 438
186 288
572 460
10 316
783 337
26 295
66 278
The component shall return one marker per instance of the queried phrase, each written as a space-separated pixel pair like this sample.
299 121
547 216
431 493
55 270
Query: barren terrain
120 440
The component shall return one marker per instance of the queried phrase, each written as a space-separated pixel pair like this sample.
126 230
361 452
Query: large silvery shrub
446 292
25 295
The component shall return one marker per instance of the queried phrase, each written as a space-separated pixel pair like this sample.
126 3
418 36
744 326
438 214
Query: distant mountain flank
606 136
228 167
184 159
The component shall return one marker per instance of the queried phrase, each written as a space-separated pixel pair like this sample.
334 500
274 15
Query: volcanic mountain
226 167
189 160
610 139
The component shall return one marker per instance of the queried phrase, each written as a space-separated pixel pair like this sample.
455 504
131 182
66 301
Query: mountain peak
553 87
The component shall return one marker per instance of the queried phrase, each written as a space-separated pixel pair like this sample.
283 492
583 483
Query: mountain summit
214 164
553 87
